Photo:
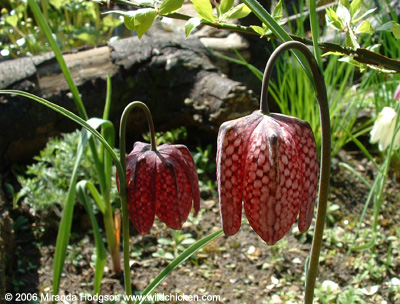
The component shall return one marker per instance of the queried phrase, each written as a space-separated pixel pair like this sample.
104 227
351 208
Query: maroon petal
307 152
166 193
140 193
231 151
185 158
271 172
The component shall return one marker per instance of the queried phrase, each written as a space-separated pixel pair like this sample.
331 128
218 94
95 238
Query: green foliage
225 10
172 136
354 20
169 249
76 22
46 182
139 20
205 164
277 15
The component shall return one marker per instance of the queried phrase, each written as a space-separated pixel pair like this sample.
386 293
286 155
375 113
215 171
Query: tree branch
361 55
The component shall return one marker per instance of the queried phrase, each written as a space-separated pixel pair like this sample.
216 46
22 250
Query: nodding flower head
384 128
270 163
162 183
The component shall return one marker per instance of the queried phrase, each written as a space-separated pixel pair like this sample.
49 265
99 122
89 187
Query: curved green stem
122 178
322 98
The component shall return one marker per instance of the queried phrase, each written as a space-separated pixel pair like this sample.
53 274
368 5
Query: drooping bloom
162 183
384 127
270 163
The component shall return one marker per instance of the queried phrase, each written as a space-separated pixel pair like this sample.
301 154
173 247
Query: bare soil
238 269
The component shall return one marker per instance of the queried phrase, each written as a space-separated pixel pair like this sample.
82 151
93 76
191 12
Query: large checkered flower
162 183
270 163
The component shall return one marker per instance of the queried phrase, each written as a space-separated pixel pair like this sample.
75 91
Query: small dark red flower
162 183
270 163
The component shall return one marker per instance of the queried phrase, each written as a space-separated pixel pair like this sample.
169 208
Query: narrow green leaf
54 46
387 26
396 31
170 6
259 30
343 13
204 9
96 196
333 20
345 3
365 15
391 26
101 254
355 7
178 261
278 31
277 13
64 230
365 27
191 24
226 5
315 28
69 115
238 12
351 39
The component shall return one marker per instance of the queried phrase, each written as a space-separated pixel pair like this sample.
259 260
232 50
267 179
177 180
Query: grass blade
278 31
64 231
54 46
178 261
69 115
101 254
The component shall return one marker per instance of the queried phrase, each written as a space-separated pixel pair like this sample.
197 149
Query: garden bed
239 269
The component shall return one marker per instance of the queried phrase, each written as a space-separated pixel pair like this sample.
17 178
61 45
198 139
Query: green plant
45 182
170 249
351 296
205 164
76 22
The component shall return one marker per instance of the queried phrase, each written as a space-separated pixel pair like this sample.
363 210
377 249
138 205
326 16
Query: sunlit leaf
226 5
12 20
204 9
258 29
191 24
355 7
343 14
58 4
277 13
365 15
170 6
140 20
345 3
333 20
391 26
351 40
239 11
111 21
365 27
396 31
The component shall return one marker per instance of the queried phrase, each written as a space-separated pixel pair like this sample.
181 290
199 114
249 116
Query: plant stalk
320 90
122 179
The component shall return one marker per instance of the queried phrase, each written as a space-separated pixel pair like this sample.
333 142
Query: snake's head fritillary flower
384 128
162 183
270 163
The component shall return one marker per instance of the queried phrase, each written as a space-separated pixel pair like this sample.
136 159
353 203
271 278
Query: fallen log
174 76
